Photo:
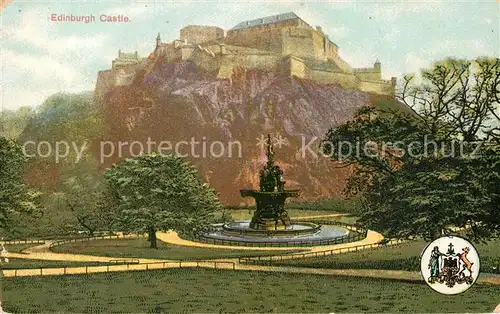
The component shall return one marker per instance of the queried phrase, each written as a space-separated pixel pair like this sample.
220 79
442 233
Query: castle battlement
360 70
284 43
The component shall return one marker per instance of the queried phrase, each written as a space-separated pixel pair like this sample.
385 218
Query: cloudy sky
40 57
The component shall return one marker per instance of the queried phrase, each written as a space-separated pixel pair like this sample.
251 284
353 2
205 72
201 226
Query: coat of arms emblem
450 265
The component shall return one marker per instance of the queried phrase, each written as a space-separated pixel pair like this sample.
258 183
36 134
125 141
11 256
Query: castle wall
318 44
268 62
294 66
368 74
330 48
205 61
344 66
120 63
298 42
312 45
186 52
169 52
305 43
345 80
198 34
379 87
265 37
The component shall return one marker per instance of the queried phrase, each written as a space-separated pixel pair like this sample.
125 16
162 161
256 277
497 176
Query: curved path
43 252
172 237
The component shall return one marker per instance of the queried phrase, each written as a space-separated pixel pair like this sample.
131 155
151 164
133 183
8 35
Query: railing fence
45 271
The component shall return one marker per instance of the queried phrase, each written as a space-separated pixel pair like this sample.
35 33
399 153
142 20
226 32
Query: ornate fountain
270 199
270 223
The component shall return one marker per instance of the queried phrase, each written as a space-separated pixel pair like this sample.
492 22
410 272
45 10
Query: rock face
179 104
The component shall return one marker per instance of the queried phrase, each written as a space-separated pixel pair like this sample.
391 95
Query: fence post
180 264
107 268
215 265
234 266
41 271
65 269
147 266
86 269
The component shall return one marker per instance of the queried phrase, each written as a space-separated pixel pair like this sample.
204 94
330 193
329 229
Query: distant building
283 43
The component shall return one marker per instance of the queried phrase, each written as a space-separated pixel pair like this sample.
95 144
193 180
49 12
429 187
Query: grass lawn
218 291
18 263
405 256
126 248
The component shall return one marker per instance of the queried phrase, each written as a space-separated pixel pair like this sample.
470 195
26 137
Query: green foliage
88 197
73 118
414 175
77 120
158 192
335 205
14 122
66 116
15 197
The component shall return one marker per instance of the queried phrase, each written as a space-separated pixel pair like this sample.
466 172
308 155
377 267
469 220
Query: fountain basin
300 233
243 228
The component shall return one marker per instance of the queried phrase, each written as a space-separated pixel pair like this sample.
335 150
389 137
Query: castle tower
158 40
377 66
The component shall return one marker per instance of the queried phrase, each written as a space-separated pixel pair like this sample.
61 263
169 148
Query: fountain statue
270 223
270 199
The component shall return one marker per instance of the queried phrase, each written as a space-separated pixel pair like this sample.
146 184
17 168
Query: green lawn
126 248
400 257
221 291
18 263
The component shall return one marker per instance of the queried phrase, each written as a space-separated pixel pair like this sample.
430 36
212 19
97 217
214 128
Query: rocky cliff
178 102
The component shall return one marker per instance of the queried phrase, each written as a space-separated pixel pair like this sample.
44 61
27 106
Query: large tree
89 200
416 176
159 192
15 197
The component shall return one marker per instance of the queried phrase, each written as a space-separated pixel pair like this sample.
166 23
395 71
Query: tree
15 197
87 196
416 177
158 192
14 122
457 97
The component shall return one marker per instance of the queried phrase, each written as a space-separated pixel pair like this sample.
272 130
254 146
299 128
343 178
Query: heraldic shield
450 265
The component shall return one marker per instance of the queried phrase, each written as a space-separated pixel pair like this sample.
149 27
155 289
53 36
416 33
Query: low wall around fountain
336 235
311 228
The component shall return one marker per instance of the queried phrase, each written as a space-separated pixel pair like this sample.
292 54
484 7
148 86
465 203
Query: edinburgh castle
284 44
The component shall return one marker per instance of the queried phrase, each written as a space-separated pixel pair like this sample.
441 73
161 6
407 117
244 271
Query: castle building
283 43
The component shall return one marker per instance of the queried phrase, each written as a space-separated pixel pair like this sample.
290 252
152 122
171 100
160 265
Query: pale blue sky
40 57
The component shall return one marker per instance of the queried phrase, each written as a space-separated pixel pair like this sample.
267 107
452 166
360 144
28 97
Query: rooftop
267 20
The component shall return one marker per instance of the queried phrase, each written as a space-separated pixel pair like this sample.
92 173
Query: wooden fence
110 237
11 242
68 270
271 258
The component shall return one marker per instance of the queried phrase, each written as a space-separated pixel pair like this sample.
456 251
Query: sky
40 57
